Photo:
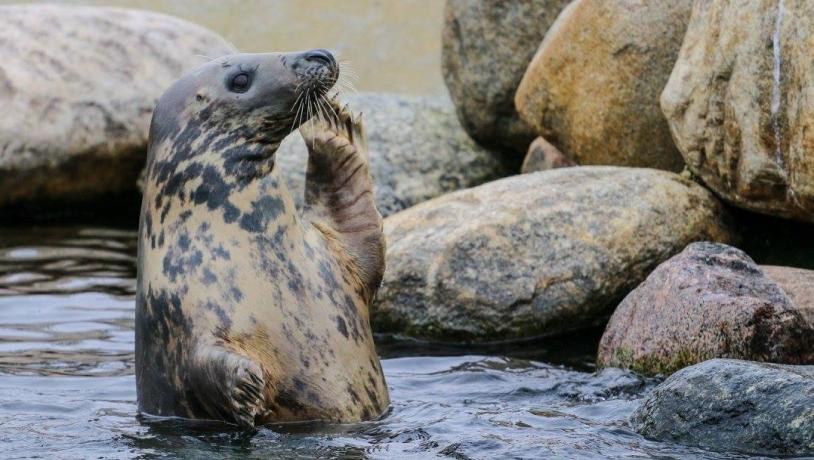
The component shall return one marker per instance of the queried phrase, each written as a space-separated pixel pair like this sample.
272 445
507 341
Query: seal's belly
283 300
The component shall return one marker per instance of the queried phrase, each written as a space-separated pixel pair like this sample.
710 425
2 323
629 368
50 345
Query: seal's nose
322 57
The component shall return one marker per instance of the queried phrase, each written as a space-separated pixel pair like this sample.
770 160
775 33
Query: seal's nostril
321 56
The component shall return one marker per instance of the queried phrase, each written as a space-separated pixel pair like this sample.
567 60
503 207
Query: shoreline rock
592 89
709 301
486 47
543 156
737 104
733 406
538 254
81 83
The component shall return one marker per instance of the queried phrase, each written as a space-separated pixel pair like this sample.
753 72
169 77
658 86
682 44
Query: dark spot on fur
183 242
237 294
341 326
264 210
353 395
208 276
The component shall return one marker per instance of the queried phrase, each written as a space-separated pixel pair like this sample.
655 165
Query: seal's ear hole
199 97
240 82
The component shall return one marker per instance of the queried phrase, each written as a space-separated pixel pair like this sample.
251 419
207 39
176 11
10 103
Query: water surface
67 388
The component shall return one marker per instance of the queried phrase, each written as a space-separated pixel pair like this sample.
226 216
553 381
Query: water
67 388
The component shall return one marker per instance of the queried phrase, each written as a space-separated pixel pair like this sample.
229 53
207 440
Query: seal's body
248 311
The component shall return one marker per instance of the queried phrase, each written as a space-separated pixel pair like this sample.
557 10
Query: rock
543 156
486 47
78 85
593 87
536 254
798 284
729 405
417 151
710 301
737 104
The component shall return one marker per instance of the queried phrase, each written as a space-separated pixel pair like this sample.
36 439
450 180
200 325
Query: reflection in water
66 302
67 387
394 45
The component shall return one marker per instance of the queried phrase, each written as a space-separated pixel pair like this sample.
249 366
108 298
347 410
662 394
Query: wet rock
537 254
81 83
710 301
417 151
486 47
593 87
798 284
734 406
543 156
737 103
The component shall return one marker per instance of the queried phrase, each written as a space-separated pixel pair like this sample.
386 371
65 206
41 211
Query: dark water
67 388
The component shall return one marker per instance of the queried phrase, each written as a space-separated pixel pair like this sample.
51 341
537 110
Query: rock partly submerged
418 151
738 103
734 406
709 301
78 85
486 47
538 254
593 87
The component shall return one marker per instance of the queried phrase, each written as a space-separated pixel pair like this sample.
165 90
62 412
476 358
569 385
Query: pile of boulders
644 130
716 88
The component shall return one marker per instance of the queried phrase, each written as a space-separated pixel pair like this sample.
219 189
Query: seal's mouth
317 74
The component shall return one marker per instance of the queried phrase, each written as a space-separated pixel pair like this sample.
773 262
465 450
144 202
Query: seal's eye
240 83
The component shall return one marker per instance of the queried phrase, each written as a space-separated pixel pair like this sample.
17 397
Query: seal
248 310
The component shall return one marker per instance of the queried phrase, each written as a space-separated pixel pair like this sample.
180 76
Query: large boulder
78 86
486 47
738 103
417 151
734 406
537 254
710 301
798 284
593 87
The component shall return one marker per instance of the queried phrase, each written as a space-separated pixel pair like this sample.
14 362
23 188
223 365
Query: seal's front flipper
229 386
338 190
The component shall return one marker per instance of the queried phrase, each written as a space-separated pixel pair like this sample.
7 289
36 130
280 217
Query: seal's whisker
328 104
346 68
297 115
327 117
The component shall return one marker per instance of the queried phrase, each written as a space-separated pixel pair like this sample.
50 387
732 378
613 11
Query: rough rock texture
543 156
78 85
536 254
738 103
593 87
417 151
710 301
798 284
730 405
486 47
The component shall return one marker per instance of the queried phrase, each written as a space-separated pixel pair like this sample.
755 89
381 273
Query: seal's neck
237 181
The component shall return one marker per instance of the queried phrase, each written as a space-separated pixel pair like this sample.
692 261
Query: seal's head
233 112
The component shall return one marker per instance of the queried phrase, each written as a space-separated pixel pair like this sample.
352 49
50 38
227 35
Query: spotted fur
248 311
